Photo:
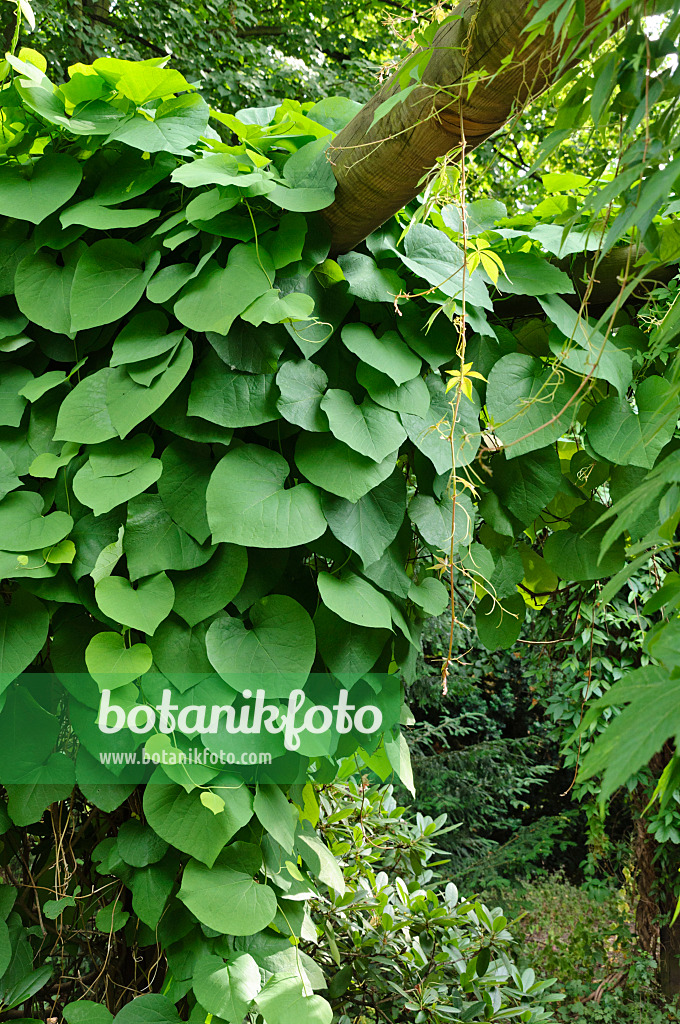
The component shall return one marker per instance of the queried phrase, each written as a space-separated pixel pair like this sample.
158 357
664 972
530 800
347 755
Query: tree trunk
382 167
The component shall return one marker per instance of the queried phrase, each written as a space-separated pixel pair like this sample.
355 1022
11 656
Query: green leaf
227 986
138 844
111 918
369 525
143 608
527 484
140 81
92 214
367 428
586 350
151 886
83 1011
117 458
276 815
281 642
178 123
283 1000
431 433
43 285
24 623
83 415
338 469
348 650
109 281
245 348
111 664
103 493
24 528
208 589
620 436
434 520
388 354
183 821
179 651
226 897
368 281
129 403
286 246
247 503
432 255
499 623
529 274
302 385
529 406
213 300
232 398
309 180
320 860
355 600
411 397
32 191
431 595
144 337
12 404
148 1009
576 556
154 543
182 487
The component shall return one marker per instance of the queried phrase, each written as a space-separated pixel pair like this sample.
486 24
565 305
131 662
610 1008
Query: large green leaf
276 815
247 503
109 281
145 336
187 824
129 403
111 664
410 397
432 255
178 123
232 398
499 623
23 631
179 652
302 385
283 1000
431 433
103 493
43 288
32 191
148 1009
182 487
23 526
208 589
435 519
529 405
12 404
620 436
154 543
226 987
139 845
281 644
213 300
226 897
369 525
355 600
348 650
83 414
388 353
586 350
367 428
255 350
368 281
143 608
338 469
527 484
525 273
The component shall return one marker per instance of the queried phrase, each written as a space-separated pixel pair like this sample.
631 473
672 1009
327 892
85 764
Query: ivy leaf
227 986
143 608
247 503
280 644
225 897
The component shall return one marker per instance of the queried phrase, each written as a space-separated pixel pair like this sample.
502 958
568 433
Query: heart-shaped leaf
33 191
226 897
247 503
143 608
111 664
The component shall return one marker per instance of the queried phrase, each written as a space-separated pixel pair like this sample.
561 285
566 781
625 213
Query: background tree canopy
228 442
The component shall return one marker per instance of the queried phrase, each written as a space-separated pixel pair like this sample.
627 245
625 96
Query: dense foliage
222 451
